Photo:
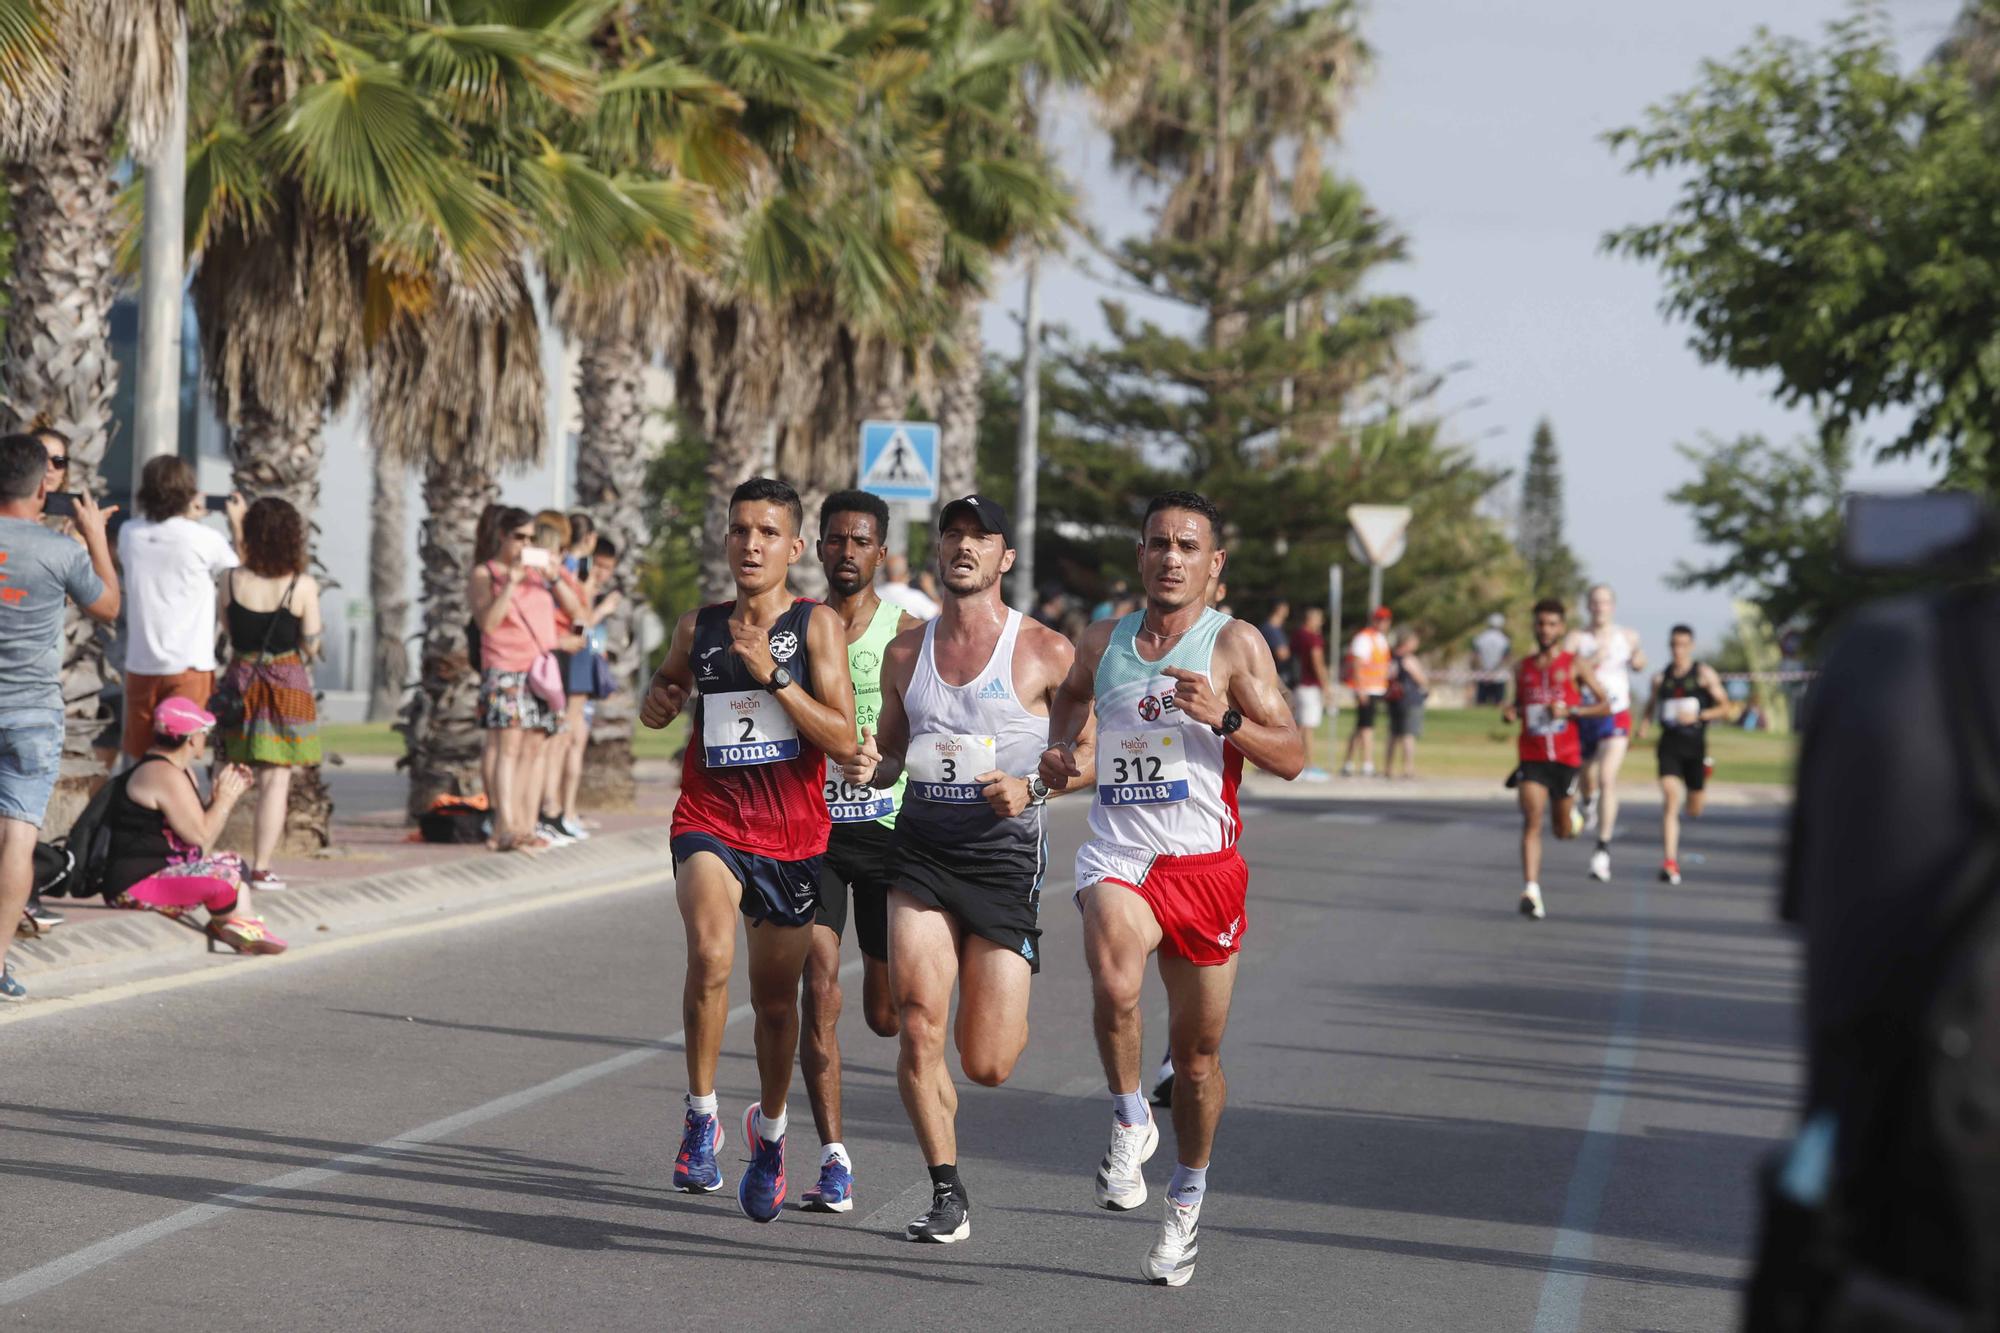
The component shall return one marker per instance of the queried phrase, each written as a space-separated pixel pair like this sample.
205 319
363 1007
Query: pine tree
1553 570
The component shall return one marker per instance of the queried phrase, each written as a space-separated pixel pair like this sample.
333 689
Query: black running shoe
948 1221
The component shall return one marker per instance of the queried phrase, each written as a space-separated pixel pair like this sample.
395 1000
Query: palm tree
388 579
78 83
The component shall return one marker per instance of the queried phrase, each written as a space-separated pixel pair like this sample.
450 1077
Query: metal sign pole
1333 609
1374 588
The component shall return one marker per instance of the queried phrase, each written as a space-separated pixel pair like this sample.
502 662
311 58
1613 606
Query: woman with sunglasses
514 607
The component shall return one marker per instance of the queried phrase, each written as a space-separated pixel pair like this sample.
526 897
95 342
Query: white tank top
1615 671
958 732
1166 784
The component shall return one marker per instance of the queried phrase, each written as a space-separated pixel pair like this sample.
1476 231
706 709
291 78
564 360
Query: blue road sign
899 460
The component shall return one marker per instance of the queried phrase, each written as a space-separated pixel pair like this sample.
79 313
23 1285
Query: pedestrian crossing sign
899 460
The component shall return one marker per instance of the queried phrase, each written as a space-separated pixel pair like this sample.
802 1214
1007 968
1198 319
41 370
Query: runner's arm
825 715
1071 759
1647 714
667 692
1711 684
1638 654
1269 736
1587 678
879 759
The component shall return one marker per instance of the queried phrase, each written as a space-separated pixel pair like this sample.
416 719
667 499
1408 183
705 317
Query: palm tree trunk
440 722
958 410
611 459
388 583
56 362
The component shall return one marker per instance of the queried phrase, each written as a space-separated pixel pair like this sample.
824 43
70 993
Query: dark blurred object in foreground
1884 1212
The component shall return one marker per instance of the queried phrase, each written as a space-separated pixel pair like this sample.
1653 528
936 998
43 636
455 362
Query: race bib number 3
849 804
947 768
1542 721
1142 768
743 728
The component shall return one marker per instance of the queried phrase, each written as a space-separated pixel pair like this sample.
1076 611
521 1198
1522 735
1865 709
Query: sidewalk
373 875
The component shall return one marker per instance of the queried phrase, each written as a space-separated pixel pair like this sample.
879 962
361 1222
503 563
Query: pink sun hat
181 717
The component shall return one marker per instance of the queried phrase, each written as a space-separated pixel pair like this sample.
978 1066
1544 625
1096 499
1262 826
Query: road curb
128 941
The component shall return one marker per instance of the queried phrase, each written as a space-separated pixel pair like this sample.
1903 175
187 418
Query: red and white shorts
1198 901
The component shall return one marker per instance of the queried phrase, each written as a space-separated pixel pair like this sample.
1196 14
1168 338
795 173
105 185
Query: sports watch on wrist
1038 790
1232 722
780 678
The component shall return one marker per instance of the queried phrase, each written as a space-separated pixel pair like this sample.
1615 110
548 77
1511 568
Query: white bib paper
743 728
849 804
946 768
1542 721
1142 768
1681 712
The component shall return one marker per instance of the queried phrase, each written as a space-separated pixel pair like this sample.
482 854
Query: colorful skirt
280 718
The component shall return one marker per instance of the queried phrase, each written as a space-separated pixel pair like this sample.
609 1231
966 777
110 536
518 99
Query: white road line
55 1272
28 1013
1347 817
1560 1309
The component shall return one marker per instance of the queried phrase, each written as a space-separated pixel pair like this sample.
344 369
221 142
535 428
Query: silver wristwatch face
780 678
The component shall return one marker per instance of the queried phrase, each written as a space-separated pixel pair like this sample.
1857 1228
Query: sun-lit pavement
1441 1117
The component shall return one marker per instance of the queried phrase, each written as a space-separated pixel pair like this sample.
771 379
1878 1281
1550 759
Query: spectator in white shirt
170 560
896 591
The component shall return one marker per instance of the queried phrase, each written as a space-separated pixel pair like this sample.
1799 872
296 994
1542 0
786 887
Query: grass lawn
365 738
1467 742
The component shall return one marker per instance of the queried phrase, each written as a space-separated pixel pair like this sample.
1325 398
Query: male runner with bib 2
772 704
965 707
1548 700
1183 695
853 525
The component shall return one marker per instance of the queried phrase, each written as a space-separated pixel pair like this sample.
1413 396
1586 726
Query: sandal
245 934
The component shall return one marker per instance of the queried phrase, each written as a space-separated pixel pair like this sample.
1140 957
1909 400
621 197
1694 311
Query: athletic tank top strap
1121 663
847 803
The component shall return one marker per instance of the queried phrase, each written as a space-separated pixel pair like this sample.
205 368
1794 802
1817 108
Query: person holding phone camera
40 571
171 560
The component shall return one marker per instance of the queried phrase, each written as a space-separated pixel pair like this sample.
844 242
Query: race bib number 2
947 768
849 804
1142 768
743 728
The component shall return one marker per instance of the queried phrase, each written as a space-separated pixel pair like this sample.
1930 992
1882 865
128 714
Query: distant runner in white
1611 651
1183 695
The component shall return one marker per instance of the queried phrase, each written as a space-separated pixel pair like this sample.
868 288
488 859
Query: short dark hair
1551 605
1681 629
605 547
23 461
773 491
581 525
856 502
274 538
166 487
1193 501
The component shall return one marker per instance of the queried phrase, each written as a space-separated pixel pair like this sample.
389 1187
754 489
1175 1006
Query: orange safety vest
1368 658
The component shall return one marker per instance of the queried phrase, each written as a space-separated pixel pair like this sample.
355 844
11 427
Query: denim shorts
31 742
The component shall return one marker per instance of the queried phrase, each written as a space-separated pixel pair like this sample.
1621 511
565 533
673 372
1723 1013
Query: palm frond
31 76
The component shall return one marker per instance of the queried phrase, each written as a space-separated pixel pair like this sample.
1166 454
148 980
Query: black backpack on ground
1905 1236
88 842
54 869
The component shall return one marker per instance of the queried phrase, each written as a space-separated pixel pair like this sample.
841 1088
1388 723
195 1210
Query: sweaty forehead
1180 525
762 514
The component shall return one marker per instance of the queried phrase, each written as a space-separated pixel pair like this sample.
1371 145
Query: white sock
1531 887
703 1105
833 1150
771 1130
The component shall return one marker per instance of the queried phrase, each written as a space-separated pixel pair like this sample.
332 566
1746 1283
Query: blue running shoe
695 1169
11 989
835 1191
761 1192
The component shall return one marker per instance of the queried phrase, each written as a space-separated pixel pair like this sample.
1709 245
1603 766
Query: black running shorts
858 857
1559 779
1685 758
991 897
785 893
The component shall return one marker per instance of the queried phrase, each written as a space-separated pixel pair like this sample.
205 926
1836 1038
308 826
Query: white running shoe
1600 866
1121 1184
1170 1263
1531 903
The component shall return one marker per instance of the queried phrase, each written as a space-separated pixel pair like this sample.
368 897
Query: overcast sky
1478 135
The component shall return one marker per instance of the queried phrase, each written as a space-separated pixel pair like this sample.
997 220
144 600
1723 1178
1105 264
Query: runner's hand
860 770
1008 796
664 701
1196 698
1059 767
1508 715
752 646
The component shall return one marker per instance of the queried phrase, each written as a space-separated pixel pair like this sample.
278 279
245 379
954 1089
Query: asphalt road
1442 1117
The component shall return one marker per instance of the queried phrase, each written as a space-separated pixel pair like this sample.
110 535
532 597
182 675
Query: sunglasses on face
59 462
522 536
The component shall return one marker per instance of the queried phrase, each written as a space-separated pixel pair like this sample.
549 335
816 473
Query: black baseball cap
985 511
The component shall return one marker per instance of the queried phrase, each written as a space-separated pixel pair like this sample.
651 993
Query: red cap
1382 613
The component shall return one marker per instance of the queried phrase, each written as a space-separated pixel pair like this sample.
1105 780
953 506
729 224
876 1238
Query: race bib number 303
1142 768
743 728
947 768
849 804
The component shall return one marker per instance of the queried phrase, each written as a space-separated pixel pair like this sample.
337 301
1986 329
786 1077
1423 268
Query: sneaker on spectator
552 832
48 918
267 881
10 989
572 829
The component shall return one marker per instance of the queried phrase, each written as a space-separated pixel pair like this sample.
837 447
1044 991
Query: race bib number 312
1142 768
743 728
947 768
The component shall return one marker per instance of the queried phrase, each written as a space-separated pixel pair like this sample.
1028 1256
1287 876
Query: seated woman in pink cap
160 834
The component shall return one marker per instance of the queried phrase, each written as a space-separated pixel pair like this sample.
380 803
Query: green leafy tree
1834 228
1553 570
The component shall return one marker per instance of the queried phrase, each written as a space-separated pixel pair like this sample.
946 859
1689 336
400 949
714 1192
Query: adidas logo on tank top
995 688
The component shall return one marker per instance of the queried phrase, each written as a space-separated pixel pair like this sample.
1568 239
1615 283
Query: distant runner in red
1548 700
772 703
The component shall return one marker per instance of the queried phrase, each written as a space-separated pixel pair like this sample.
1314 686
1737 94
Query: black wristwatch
1232 722
780 678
